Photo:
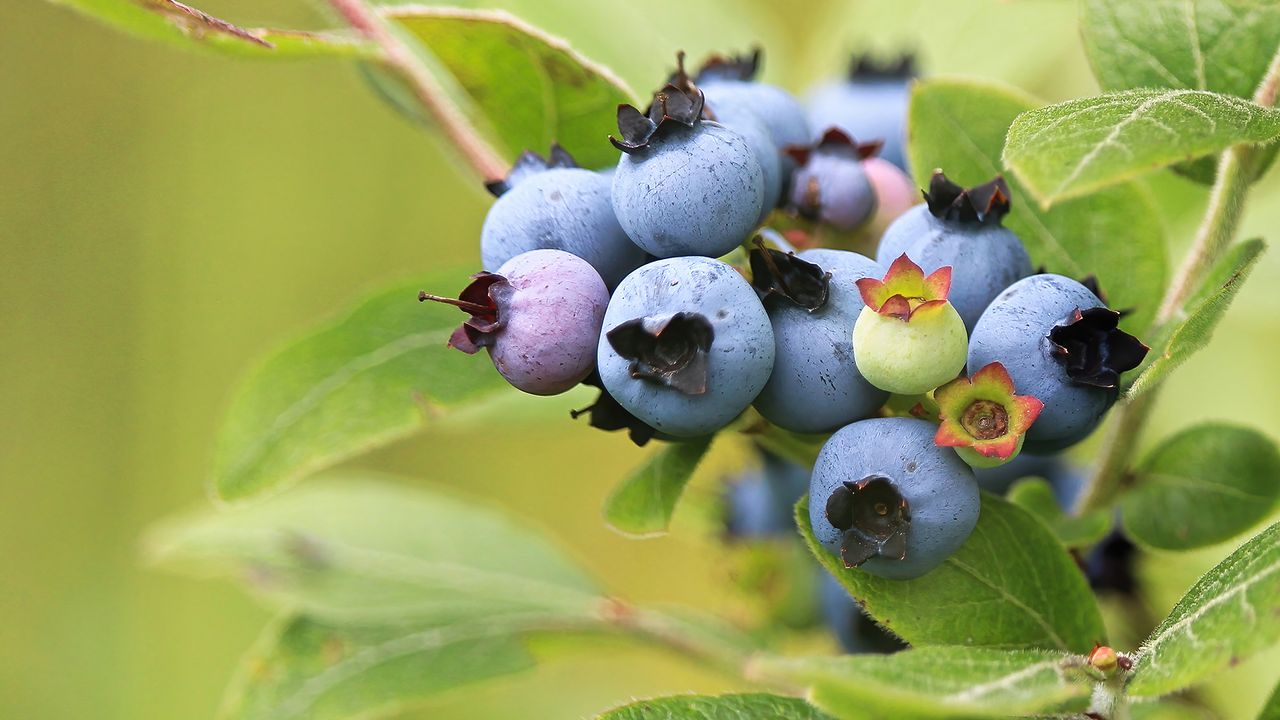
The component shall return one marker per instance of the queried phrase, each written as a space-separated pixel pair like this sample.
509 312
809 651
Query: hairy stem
400 59
1236 169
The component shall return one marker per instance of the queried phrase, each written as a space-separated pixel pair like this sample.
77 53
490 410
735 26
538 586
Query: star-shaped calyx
983 418
742 68
484 299
906 292
671 350
873 518
783 275
679 104
1093 349
531 163
985 204
608 415
871 68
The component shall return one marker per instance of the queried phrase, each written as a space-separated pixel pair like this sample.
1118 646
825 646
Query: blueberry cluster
662 283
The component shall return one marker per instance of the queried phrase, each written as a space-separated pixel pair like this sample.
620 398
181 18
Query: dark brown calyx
985 204
670 350
834 142
1093 350
985 420
608 415
870 68
673 107
1090 282
483 299
779 274
741 68
531 163
873 517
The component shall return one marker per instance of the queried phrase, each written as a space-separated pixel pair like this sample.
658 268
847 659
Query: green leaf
1035 495
379 374
1229 614
1166 711
1079 146
526 89
305 669
1011 585
643 503
754 706
1202 486
1271 711
185 26
1191 331
942 682
960 126
353 548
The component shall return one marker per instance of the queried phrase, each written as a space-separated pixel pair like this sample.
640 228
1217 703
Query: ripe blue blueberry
760 503
813 303
886 499
961 229
732 91
1060 344
830 183
539 317
687 345
765 152
856 632
684 186
870 103
554 204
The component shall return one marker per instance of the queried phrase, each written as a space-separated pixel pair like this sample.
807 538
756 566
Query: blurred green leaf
186 26
1229 614
305 669
1271 711
380 373
643 503
1191 332
755 706
1202 486
960 126
351 548
936 682
526 89
1166 711
1010 585
1079 146
1035 495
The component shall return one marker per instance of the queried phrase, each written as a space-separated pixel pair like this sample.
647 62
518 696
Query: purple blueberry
830 183
1060 344
539 317
815 385
687 345
961 228
553 204
870 103
885 499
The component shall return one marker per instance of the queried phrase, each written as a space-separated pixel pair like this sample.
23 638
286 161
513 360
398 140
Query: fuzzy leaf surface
1035 495
643 503
746 706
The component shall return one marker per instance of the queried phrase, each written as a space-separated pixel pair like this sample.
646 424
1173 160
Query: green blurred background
167 216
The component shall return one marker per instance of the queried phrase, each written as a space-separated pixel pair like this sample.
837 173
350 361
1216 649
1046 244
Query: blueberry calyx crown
531 163
984 413
607 414
867 67
1093 349
672 107
872 516
778 274
670 350
834 142
981 204
484 299
741 68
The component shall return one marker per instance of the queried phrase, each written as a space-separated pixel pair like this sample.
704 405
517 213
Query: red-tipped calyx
983 414
905 290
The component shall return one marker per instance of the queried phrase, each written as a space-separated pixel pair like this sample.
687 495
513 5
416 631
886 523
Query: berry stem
399 58
473 308
1236 169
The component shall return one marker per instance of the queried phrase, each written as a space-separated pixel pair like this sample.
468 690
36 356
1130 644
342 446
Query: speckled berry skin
866 109
1014 331
939 488
694 191
551 321
815 385
753 130
781 114
741 354
760 503
895 193
566 209
846 197
984 259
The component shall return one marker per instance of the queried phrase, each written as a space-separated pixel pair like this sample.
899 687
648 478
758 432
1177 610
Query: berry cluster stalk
399 58
1236 168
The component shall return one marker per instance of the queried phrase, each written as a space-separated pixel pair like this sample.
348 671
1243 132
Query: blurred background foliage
166 217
